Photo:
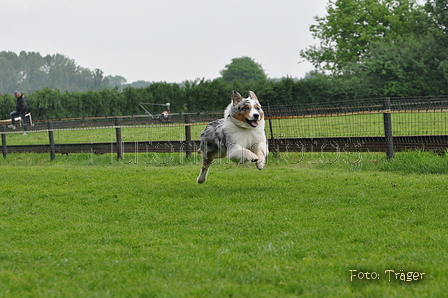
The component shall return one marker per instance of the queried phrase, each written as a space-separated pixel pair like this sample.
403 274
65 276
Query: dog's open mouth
253 123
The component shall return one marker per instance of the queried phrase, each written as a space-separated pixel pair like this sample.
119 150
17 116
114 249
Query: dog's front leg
240 154
261 153
260 149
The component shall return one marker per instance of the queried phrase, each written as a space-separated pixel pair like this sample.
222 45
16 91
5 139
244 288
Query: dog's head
246 111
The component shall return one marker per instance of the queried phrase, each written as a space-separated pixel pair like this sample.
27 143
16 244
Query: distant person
21 108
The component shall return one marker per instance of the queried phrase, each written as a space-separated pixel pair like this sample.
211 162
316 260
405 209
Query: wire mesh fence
410 117
359 118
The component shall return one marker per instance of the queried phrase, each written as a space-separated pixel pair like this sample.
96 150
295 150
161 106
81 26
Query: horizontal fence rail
363 125
349 144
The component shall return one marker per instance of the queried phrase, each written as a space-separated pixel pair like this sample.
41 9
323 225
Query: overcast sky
164 40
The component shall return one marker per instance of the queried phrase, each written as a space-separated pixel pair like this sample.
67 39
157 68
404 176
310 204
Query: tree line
195 96
29 71
188 97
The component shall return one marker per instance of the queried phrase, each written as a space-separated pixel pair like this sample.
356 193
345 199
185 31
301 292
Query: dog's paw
260 164
202 176
253 157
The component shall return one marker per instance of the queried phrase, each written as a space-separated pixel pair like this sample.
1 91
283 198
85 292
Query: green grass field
89 226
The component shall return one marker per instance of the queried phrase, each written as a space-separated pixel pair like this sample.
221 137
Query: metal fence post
387 116
187 135
4 147
51 137
119 140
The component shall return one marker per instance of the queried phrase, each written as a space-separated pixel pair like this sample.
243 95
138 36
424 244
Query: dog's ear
236 97
253 96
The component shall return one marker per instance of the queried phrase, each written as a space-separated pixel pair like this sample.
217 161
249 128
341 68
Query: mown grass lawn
85 227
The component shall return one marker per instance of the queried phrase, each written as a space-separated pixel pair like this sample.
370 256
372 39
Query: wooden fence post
388 128
51 137
4 147
119 140
270 121
272 141
187 135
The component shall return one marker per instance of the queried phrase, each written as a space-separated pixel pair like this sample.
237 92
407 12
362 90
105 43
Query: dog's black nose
256 116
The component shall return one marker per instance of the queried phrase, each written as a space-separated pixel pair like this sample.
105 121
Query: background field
88 226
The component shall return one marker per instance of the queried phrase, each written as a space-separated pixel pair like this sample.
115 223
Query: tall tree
97 78
115 81
243 69
438 13
9 75
351 26
411 66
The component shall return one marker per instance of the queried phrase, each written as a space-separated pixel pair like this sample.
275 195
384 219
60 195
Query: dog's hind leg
208 156
203 174
206 163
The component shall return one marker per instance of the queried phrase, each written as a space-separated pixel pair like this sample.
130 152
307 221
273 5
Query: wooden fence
384 125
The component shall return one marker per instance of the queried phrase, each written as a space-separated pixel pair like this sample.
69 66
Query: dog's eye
257 108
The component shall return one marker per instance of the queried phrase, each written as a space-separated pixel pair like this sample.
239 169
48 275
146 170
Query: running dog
240 136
